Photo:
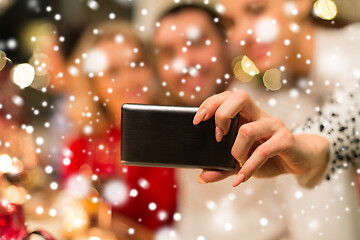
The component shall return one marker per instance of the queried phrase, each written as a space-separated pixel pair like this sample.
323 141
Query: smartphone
165 136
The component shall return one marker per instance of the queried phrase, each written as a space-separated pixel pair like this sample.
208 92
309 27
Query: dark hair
211 13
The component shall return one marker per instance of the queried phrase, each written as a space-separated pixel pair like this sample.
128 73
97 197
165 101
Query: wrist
315 153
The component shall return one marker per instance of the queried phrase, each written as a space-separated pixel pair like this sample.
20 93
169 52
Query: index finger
208 107
239 102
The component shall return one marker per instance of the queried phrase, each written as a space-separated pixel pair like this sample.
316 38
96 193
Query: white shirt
332 208
279 208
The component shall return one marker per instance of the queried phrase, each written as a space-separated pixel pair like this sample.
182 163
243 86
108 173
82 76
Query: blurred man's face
190 58
265 30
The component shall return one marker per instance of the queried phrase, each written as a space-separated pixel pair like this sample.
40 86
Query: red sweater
102 155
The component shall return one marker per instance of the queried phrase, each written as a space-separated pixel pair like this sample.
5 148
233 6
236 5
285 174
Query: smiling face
266 31
126 78
190 57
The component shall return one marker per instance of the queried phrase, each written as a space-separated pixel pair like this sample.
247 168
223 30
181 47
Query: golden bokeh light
272 79
325 9
23 75
75 219
41 81
97 234
40 62
249 67
17 167
244 69
3 60
6 163
235 61
36 33
16 195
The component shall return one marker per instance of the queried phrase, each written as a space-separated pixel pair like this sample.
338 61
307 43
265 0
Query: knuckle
235 153
227 93
278 122
209 101
263 151
242 94
247 130
221 116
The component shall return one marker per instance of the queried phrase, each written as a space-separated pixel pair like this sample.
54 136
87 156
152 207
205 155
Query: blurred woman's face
126 77
191 56
266 31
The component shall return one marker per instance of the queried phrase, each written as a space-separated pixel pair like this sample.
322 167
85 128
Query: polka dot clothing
339 122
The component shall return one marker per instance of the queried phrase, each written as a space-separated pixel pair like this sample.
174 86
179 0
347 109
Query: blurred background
33 126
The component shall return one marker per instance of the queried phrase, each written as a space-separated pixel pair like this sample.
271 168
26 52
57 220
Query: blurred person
66 84
20 165
208 211
11 101
285 36
13 140
192 60
314 62
265 147
115 69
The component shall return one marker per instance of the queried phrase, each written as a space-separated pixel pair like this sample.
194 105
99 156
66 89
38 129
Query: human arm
338 122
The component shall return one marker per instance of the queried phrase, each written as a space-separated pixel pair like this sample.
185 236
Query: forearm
312 151
338 123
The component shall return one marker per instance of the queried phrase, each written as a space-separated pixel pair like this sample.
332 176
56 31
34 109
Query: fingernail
200 180
199 116
218 134
239 179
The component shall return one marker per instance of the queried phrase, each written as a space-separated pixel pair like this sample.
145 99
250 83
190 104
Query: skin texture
242 17
192 26
264 147
127 83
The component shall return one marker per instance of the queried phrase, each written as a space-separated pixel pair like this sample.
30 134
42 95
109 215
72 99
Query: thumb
208 176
